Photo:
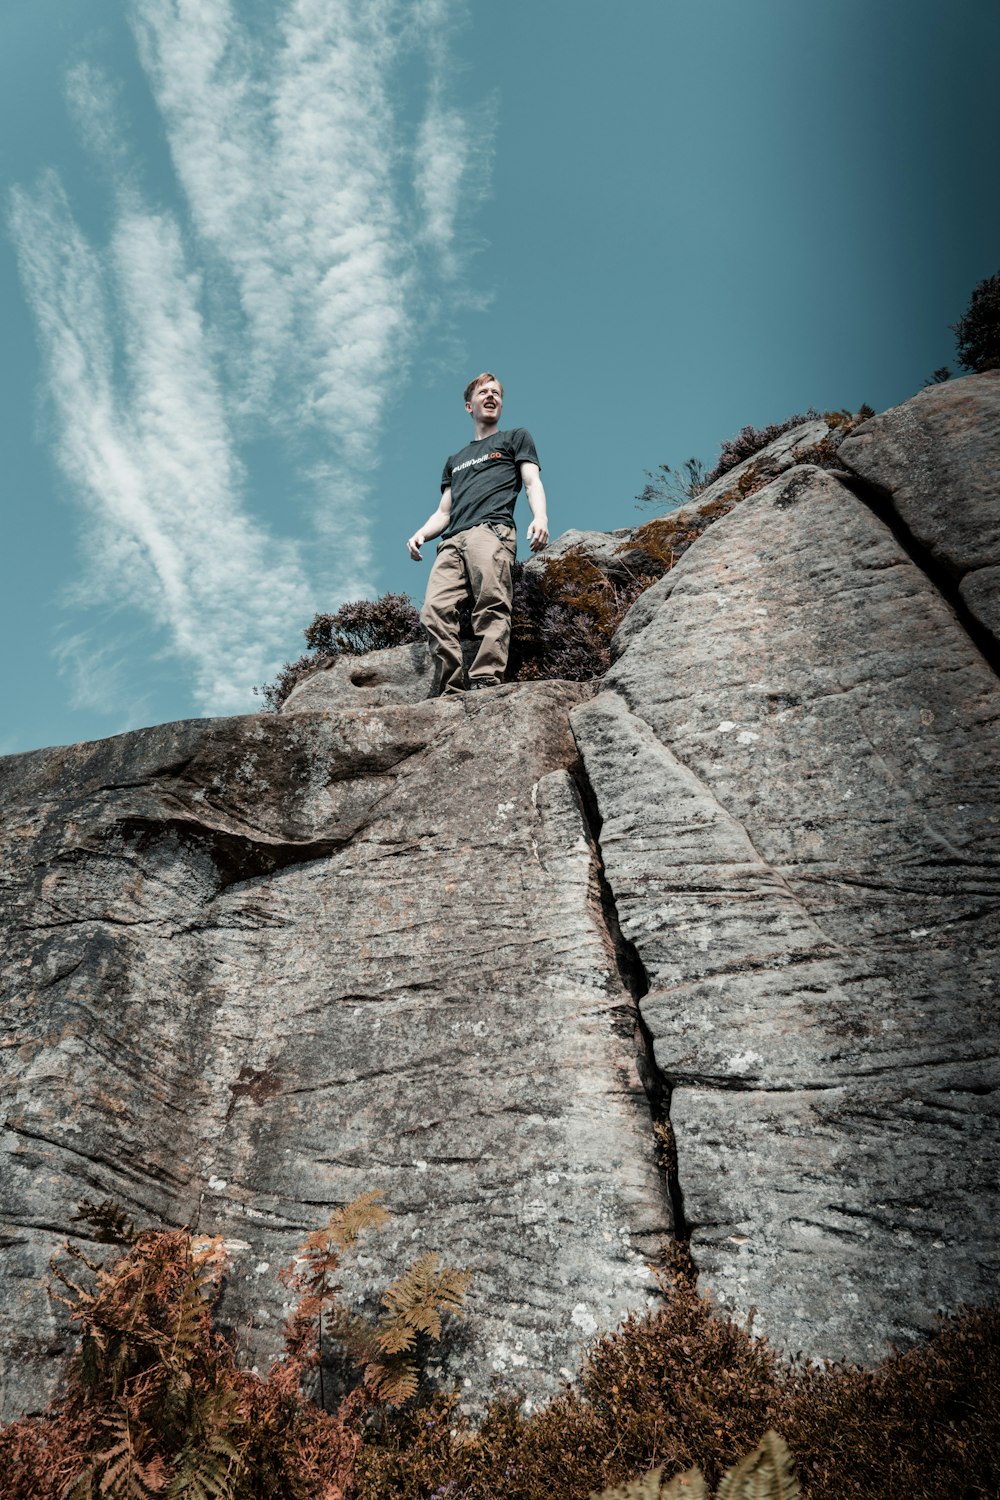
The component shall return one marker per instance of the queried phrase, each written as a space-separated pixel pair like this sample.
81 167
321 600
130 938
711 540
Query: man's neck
484 430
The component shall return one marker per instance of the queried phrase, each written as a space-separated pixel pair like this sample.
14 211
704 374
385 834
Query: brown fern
765 1474
652 1486
158 1407
416 1300
414 1303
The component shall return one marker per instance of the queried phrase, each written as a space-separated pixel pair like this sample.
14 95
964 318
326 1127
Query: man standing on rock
475 521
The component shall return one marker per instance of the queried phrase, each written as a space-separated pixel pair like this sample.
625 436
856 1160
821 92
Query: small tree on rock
977 331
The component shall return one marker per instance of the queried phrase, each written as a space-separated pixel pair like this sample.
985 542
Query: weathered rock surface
795 760
936 458
257 966
980 591
400 674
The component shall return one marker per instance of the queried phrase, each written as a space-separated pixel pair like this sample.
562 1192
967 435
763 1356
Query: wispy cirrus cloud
146 445
94 105
320 214
332 208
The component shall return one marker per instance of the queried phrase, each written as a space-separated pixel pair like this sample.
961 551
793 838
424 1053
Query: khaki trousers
472 565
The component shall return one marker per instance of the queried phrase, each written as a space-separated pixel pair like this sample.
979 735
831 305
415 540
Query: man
475 521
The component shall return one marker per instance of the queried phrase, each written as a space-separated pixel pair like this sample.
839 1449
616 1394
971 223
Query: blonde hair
486 375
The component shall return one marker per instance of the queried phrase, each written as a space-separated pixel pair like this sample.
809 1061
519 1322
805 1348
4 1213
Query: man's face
486 403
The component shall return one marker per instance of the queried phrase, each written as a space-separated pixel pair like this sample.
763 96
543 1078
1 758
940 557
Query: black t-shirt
485 479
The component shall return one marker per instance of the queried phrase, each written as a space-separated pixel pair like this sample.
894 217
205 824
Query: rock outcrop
256 966
795 762
609 550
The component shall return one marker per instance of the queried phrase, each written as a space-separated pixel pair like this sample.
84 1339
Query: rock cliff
260 965
465 952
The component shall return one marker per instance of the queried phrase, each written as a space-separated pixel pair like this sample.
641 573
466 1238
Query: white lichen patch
502 1356
584 1319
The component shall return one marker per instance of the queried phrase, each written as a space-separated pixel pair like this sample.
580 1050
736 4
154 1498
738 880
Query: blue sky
252 252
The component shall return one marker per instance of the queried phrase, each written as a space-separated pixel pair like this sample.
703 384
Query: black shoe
476 684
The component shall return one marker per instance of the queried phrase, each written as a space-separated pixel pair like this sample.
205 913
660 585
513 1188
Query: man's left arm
538 530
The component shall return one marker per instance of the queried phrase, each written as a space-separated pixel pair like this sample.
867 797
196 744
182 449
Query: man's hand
538 532
432 527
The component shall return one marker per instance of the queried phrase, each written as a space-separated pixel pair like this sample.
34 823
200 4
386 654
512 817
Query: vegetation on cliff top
977 332
563 621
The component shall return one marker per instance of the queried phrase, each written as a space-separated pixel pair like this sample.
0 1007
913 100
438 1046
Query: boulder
602 547
935 459
258 966
400 674
794 759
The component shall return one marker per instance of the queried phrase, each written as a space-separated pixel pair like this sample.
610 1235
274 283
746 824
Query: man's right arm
432 527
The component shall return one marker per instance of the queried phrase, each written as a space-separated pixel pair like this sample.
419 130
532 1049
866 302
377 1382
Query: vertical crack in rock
946 580
635 980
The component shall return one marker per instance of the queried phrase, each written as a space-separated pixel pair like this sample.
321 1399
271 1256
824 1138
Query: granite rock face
257 966
936 459
795 760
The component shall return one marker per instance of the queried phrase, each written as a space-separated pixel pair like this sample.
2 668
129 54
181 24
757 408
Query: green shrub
353 629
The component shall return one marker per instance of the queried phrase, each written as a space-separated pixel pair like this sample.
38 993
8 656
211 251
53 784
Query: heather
352 630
